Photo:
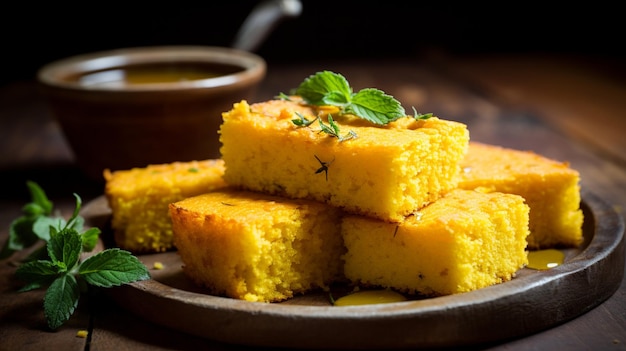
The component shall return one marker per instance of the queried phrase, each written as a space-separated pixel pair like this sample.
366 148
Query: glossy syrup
369 297
545 259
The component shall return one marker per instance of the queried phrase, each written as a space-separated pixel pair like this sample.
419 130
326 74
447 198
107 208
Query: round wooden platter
533 301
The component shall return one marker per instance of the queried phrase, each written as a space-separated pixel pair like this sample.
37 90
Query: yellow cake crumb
257 247
82 334
551 189
465 241
385 172
139 199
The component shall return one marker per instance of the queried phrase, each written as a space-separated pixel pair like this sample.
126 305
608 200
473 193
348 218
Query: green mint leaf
37 274
336 99
329 88
76 223
113 267
42 226
21 236
61 300
375 106
33 210
65 247
22 233
72 222
39 197
325 88
90 239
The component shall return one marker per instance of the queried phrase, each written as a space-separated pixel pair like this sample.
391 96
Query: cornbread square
465 241
386 172
257 247
139 199
551 189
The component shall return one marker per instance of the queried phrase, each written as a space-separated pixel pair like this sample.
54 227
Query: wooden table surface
569 109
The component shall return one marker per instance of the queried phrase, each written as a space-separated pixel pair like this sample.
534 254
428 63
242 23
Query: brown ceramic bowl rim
253 67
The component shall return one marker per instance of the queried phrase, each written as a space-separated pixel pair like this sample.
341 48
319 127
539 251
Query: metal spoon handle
262 20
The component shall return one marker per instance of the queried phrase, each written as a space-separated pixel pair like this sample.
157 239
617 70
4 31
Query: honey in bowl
157 73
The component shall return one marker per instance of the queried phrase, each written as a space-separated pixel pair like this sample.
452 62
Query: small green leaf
43 225
75 214
39 197
325 88
302 121
37 274
113 267
420 116
65 247
21 236
375 106
32 209
61 300
90 239
327 129
77 224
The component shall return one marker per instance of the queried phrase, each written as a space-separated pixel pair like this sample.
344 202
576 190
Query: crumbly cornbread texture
139 199
386 172
257 247
462 242
551 189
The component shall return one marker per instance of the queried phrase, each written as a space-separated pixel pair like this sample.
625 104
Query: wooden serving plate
533 301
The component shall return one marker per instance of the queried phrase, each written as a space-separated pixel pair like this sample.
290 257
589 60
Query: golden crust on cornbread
385 172
464 241
139 199
551 189
257 247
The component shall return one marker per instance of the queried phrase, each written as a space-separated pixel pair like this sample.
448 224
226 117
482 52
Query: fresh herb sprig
28 229
327 88
62 271
332 129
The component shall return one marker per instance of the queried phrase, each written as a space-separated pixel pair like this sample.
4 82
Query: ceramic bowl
133 107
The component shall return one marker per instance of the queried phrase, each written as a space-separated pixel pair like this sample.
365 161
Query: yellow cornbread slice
139 199
551 189
385 172
462 242
257 247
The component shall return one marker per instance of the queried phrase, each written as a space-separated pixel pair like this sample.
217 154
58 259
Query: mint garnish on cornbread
394 165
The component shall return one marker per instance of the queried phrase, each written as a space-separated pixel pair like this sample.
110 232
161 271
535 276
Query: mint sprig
62 270
28 229
332 89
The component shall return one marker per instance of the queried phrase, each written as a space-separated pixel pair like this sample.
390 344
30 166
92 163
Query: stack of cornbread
412 205
392 214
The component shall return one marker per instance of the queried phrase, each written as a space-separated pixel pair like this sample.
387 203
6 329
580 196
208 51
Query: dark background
35 34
